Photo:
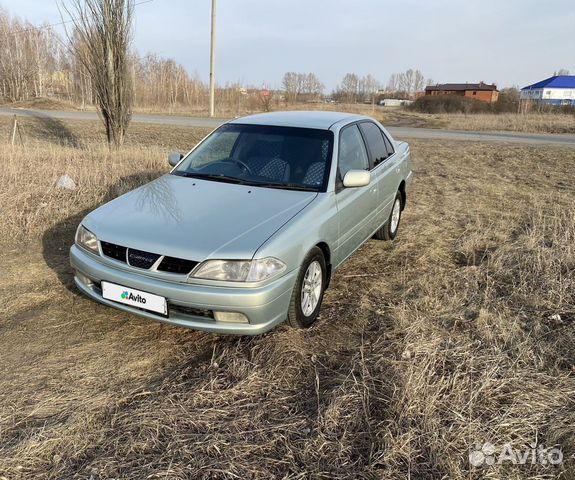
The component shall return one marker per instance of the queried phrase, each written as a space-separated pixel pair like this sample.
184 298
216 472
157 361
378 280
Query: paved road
397 132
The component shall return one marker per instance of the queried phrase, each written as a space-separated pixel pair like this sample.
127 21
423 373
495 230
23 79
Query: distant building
557 90
394 102
478 91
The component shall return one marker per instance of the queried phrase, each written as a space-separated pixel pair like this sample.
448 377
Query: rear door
356 206
385 170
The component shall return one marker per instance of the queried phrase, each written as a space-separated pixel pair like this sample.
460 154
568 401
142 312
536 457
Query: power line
44 27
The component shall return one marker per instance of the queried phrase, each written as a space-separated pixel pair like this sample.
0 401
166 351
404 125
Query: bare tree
349 87
312 87
407 83
291 86
28 59
393 83
302 86
82 90
354 88
406 80
418 81
561 71
367 88
103 28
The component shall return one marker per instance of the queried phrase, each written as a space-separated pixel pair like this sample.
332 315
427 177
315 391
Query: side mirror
175 158
356 178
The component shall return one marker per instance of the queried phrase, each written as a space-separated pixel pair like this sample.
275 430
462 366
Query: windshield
274 157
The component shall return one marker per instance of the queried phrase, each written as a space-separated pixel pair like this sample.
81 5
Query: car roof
303 119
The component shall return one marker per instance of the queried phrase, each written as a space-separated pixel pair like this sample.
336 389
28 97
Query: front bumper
189 305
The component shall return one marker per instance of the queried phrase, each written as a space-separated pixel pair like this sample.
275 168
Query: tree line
37 62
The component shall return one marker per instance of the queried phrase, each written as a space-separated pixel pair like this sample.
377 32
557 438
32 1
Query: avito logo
130 296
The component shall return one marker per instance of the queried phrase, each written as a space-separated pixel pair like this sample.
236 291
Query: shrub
508 101
449 104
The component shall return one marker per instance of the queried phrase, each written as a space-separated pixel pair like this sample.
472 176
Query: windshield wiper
212 176
285 186
224 178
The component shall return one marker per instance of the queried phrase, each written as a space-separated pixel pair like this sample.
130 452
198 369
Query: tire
387 231
297 316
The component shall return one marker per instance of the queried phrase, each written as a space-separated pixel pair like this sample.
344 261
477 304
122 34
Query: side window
388 145
374 138
352 153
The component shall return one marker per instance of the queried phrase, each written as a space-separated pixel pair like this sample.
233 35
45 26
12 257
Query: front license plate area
135 298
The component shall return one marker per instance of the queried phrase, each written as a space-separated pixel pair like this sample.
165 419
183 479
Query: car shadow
57 240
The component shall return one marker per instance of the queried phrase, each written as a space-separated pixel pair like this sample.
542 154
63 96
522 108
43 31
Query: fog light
84 279
230 317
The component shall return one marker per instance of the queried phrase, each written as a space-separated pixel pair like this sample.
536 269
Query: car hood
196 219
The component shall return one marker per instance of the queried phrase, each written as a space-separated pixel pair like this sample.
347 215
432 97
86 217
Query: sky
509 42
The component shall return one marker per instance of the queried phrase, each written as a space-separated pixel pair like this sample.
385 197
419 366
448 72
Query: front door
356 206
384 169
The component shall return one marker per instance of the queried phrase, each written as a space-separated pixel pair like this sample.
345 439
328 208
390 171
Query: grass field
462 331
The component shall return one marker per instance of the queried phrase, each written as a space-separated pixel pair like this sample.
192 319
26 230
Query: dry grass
461 331
526 123
77 149
511 122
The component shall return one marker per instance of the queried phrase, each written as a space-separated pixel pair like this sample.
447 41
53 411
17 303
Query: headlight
265 268
86 239
240 270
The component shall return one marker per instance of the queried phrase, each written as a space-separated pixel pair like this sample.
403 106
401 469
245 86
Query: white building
558 90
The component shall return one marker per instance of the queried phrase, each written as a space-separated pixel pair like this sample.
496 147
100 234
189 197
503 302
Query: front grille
141 259
177 265
145 260
117 252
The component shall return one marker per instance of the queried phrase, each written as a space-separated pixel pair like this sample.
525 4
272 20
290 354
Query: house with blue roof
557 90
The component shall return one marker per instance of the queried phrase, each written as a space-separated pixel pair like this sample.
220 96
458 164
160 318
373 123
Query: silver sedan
247 229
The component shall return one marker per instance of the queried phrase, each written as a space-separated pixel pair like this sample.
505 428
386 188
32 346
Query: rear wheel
389 230
308 291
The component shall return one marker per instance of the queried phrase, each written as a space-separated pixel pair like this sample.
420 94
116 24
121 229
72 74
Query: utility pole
213 60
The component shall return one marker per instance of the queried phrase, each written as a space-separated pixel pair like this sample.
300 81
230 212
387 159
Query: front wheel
308 290
389 230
